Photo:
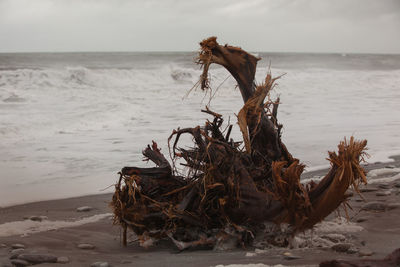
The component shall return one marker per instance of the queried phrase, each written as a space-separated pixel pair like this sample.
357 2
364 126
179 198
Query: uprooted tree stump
231 190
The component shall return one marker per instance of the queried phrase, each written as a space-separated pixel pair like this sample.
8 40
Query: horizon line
193 51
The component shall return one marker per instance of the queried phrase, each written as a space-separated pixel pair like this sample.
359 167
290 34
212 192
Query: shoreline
68 228
313 172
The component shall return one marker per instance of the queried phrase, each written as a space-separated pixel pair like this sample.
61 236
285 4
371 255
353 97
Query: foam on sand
373 174
31 227
338 225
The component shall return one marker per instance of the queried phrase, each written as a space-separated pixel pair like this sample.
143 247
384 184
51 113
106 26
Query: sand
64 229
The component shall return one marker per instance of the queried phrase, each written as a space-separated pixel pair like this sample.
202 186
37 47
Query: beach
71 121
56 228
184 133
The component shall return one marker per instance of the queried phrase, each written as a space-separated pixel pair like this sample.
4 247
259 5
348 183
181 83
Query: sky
344 26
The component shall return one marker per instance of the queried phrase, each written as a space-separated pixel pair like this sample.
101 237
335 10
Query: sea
70 121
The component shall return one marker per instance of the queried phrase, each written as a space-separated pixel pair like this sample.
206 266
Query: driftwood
231 189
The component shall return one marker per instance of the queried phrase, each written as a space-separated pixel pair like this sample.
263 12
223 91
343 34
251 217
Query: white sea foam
385 179
384 171
338 225
28 227
72 128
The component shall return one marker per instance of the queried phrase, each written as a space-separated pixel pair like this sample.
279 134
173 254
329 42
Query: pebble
341 247
390 166
37 218
86 246
84 209
384 193
17 251
19 263
374 206
37 258
384 186
290 256
397 184
15 246
352 250
14 256
62 260
365 252
100 264
251 254
3 245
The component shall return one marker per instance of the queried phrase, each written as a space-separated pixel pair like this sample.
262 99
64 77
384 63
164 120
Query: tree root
231 190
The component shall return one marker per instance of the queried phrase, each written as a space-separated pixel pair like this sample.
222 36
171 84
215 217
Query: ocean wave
81 77
49 116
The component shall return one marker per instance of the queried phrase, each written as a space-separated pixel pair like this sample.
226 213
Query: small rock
14 256
393 206
341 247
363 243
3 245
15 246
17 251
397 184
100 264
84 209
37 258
352 250
362 219
35 218
384 193
384 186
86 246
365 252
374 206
290 256
369 189
390 166
62 260
19 263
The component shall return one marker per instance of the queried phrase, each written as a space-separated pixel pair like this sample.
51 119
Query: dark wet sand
381 235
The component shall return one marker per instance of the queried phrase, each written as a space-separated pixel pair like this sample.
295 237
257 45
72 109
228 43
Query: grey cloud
271 25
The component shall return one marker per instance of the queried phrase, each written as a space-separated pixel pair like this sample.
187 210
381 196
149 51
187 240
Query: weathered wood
229 189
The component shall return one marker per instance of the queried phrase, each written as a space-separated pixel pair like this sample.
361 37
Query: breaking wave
81 77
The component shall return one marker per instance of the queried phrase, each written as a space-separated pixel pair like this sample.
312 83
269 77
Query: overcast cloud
363 26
